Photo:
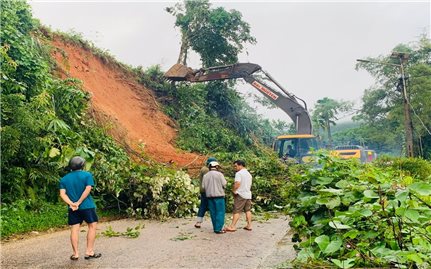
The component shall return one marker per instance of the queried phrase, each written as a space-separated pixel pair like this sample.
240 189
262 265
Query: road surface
175 243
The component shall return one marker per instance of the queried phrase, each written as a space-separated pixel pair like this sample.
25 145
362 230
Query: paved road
159 246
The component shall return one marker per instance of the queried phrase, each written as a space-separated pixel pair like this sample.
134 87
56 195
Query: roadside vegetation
344 214
350 215
46 121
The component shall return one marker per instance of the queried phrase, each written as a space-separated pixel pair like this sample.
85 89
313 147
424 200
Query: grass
26 216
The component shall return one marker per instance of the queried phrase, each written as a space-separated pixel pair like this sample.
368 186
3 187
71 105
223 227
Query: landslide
119 102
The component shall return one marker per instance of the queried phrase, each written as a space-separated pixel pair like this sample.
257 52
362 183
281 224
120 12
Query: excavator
296 146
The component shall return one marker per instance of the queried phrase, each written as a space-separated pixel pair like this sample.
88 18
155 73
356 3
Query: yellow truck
355 152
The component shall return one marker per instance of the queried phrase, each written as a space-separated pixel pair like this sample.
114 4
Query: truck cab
297 147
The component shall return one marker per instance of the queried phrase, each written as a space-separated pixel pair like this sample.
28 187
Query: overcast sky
309 47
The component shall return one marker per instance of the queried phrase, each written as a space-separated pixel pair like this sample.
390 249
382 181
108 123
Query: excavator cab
296 147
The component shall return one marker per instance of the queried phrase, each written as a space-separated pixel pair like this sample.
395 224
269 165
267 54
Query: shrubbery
347 215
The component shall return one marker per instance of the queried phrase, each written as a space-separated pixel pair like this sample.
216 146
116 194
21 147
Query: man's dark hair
76 163
239 162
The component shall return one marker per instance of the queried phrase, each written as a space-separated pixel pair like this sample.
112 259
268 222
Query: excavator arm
248 71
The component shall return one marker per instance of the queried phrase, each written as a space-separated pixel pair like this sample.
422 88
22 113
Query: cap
211 159
213 164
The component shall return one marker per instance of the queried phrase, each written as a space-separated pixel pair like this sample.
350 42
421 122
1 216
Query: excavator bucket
179 72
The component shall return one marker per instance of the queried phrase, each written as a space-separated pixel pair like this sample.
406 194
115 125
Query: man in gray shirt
214 184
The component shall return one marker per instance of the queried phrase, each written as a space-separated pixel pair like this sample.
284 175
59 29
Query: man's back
213 183
75 183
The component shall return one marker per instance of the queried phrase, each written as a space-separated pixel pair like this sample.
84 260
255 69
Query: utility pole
408 125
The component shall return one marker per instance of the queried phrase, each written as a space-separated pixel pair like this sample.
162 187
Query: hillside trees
325 114
218 36
382 110
45 121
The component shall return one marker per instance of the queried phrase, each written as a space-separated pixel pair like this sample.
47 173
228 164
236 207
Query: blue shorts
88 215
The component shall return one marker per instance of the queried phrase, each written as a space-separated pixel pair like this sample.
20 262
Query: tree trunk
182 58
328 128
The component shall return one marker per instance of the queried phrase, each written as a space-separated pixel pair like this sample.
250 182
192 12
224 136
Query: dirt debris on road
172 244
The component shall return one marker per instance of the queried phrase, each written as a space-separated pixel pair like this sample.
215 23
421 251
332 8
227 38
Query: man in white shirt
242 195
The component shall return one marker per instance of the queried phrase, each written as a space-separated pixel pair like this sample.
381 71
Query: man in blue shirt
75 188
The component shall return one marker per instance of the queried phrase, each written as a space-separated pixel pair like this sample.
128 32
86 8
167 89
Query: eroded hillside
127 108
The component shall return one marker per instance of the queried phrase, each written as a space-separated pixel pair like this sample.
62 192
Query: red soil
128 108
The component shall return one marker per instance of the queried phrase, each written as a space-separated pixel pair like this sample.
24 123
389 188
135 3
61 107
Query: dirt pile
128 108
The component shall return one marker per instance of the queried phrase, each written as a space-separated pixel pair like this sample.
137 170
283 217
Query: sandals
221 232
197 226
248 229
94 256
230 230
74 258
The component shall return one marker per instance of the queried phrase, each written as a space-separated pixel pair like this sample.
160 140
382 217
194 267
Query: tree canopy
325 114
382 109
217 35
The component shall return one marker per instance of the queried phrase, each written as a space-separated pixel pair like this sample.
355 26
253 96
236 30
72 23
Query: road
171 244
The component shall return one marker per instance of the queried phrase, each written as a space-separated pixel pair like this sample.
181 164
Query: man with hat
214 184
203 207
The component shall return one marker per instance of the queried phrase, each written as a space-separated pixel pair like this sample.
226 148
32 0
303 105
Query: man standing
242 195
203 207
214 183
75 188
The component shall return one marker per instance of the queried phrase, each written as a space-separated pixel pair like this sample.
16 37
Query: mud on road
175 243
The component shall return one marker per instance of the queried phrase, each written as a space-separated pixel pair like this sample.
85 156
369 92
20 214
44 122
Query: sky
308 47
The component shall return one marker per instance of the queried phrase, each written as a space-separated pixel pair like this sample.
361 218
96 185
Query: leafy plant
360 215
129 233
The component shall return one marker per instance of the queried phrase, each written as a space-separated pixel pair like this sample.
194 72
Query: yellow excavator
296 146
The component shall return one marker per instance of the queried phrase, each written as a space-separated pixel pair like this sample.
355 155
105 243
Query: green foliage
28 215
167 195
382 110
361 215
325 114
45 122
201 128
413 167
217 35
131 232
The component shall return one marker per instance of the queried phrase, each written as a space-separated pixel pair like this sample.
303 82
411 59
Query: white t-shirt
245 178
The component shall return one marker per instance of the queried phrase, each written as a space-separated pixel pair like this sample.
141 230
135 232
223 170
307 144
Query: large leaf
322 241
352 234
54 152
336 224
329 202
324 180
421 188
333 246
332 191
344 264
412 214
370 194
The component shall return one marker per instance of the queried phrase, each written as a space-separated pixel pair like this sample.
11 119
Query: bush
348 215
414 167
26 215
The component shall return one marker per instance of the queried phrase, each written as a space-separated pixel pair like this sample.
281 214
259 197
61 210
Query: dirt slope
120 102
